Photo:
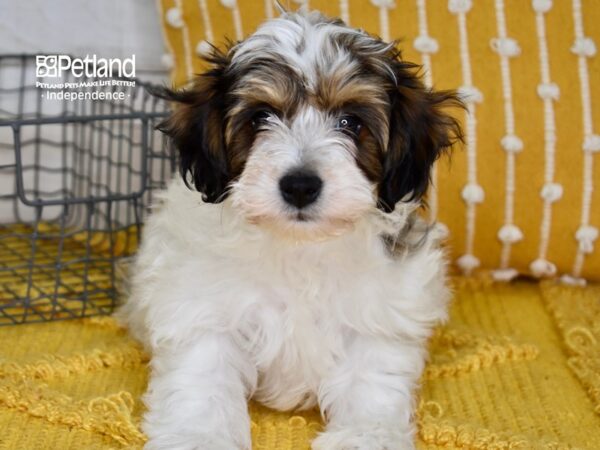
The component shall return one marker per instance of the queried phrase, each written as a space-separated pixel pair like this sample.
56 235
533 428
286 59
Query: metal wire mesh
76 178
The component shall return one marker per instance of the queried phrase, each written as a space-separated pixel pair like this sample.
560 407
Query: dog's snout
300 188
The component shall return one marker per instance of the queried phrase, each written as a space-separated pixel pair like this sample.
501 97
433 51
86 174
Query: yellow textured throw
517 367
522 195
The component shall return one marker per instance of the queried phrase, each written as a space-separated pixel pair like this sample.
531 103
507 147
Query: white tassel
552 192
203 48
229 3
591 143
542 268
388 4
584 46
586 235
467 262
470 94
167 61
504 275
505 46
541 6
173 17
510 234
473 193
426 44
512 143
460 6
572 281
548 91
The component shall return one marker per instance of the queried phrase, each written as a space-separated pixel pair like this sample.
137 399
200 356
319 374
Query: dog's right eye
260 118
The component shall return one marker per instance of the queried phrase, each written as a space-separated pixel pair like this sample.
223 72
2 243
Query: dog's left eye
261 118
349 124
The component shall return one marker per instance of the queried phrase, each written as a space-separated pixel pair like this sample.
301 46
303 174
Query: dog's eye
350 124
260 118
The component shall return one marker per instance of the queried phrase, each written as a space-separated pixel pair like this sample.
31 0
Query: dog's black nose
300 188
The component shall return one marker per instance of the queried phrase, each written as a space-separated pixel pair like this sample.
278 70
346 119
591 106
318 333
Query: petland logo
53 66
61 77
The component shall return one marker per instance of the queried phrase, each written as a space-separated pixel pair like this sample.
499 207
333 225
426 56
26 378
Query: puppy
288 263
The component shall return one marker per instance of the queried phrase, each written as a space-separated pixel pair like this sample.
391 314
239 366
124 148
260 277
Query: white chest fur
294 308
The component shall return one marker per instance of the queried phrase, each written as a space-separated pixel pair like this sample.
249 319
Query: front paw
191 442
365 437
203 433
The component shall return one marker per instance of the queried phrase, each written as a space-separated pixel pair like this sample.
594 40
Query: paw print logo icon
46 66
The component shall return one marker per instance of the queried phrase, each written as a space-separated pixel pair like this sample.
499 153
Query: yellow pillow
518 198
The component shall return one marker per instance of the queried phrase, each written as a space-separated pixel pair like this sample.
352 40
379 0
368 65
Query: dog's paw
191 442
374 437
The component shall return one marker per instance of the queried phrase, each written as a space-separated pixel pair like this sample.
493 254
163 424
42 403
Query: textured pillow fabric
519 197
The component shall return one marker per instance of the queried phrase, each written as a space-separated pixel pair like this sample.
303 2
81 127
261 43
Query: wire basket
76 178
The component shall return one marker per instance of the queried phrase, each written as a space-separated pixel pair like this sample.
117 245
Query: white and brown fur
238 294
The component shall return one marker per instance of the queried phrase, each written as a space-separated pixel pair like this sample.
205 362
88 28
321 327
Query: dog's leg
368 399
197 397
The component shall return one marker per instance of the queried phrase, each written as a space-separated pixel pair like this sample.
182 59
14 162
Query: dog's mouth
303 217
303 226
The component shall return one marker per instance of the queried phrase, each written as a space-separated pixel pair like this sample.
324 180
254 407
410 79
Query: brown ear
196 128
420 131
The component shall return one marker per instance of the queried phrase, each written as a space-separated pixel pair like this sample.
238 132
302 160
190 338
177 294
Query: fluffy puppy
288 262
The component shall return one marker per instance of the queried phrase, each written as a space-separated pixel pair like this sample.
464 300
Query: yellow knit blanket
518 366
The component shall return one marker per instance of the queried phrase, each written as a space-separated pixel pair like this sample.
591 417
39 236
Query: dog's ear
420 131
196 128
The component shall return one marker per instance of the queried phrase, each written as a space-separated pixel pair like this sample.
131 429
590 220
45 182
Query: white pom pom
173 17
504 275
512 143
541 6
473 193
384 3
229 3
460 6
426 44
551 192
548 91
167 61
470 94
510 234
572 281
467 262
203 48
591 143
542 268
586 235
505 46
584 46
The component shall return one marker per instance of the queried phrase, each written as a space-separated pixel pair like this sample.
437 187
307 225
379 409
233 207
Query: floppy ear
420 131
196 128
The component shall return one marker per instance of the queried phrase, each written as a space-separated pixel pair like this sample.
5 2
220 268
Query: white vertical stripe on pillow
426 45
472 193
233 6
187 49
345 11
551 191
509 233
208 31
237 22
384 19
586 234
269 9
167 41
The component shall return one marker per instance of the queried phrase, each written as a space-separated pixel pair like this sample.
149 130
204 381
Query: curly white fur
231 311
